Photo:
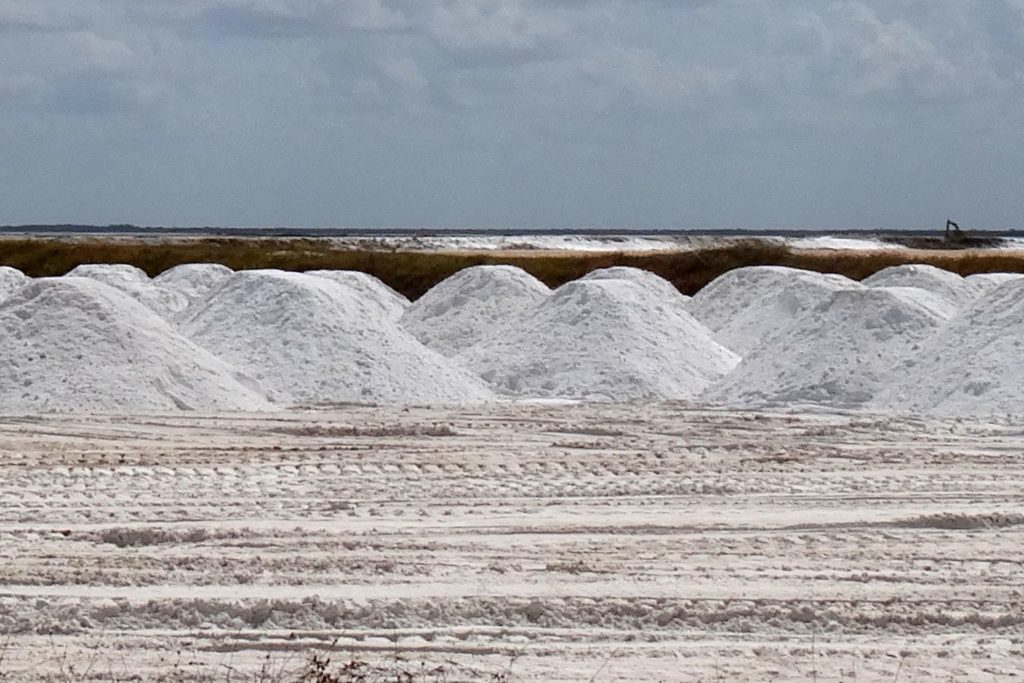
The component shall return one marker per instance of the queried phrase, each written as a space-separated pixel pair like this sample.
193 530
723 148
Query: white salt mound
601 339
77 345
391 303
134 282
309 340
193 280
11 280
953 288
472 304
654 284
989 282
744 305
838 354
973 366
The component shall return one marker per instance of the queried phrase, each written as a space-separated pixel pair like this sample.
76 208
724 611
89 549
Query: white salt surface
838 243
391 303
193 280
953 288
134 282
988 282
973 366
605 340
75 344
654 284
744 305
471 305
11 280
310 340
837 354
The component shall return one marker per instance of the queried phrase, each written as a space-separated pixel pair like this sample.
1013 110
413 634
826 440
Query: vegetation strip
414 272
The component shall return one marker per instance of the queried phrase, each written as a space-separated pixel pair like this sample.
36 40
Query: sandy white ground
561 543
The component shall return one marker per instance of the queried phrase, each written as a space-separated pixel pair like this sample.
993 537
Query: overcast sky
513 113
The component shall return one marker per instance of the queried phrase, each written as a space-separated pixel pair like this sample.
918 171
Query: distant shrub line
414 272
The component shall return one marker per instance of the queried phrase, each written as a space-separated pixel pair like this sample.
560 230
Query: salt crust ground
570 543
471 305
76 344
605 339
309 339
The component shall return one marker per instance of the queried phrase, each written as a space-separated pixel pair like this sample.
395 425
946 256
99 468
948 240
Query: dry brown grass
414 272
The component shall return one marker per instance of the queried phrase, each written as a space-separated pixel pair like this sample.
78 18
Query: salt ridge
75 344
744 305
391 303
136 283
604 340
655 284
308 339
472 304
837 354
989 282
958 291
192 280
973 366
11 280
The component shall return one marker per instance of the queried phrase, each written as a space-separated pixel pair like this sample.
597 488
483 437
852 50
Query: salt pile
655 284
973 366
838 354
193 280
134 282
949 286
742 306
391 303
11 280
75 344
471 305
989 282
308 339
601 339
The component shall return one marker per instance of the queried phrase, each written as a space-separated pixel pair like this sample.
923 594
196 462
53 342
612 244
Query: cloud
531 112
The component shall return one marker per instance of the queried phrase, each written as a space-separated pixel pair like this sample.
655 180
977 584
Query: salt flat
552 542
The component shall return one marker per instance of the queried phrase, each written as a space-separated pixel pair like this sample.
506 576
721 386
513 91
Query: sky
513 113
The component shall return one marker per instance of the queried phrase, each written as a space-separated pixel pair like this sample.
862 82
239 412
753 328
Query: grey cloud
527 112
91 95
